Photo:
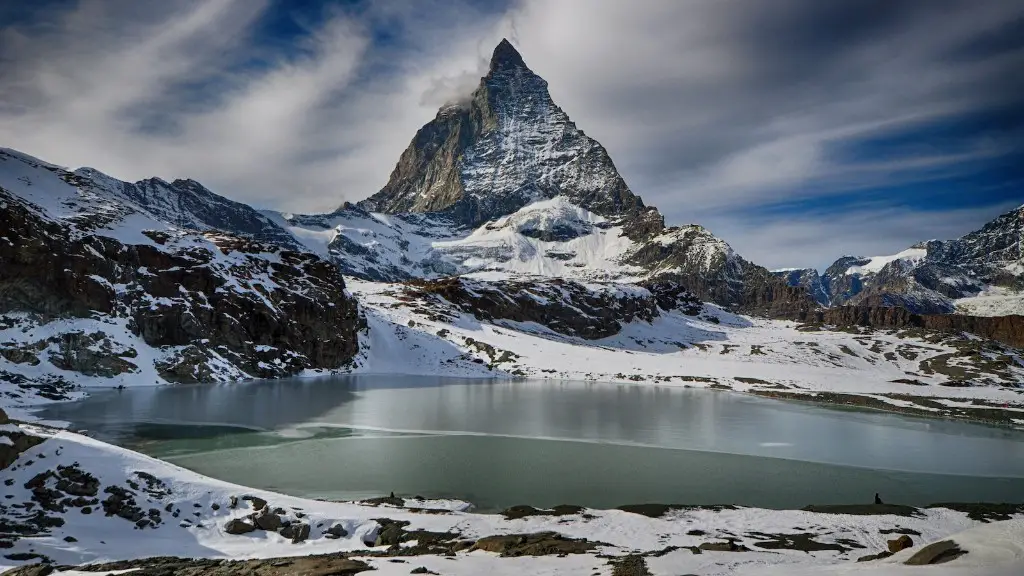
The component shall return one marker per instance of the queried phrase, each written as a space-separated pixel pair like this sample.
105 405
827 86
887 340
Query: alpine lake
547 442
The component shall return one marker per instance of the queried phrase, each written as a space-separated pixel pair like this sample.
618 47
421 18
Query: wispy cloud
710 108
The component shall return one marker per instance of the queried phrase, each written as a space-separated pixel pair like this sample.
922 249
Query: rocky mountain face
93 285
504 147
185 204
1006 329
935 277
809 280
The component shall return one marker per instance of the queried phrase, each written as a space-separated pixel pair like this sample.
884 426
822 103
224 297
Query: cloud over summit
764 121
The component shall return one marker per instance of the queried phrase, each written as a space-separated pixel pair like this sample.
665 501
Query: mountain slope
97 289
809 280
980 273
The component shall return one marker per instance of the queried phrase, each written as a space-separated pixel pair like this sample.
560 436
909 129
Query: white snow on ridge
511 244
993 301
550 237
876 264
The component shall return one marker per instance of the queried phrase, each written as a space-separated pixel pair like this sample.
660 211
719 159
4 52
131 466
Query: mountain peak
506 146
506 56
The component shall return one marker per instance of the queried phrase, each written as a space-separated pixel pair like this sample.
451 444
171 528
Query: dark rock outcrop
1006 329
564 306
901 543
936 553
539 544
269 316
238 526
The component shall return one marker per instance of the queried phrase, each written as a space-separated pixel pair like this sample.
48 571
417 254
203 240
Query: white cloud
708 107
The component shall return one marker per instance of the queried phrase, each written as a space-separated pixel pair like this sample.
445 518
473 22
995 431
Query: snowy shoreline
189 515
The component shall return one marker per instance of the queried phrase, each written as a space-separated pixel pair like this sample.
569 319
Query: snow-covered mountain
505 146
504 182
981 273
129 283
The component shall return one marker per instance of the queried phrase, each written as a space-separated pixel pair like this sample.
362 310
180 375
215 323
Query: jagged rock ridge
508 145
981 272
94 285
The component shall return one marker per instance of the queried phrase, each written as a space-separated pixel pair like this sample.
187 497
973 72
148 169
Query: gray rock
257 502
936 553
389 536
335 532
238 526
298 532
267 520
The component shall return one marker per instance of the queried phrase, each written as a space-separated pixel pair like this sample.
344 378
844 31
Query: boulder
267 520
257 502
335 532
727 546
238 526
936 553
298 532
3 417
389 536
901 543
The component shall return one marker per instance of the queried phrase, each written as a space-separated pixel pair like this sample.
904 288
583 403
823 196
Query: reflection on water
548 442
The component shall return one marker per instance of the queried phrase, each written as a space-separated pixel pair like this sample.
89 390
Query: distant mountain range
981 273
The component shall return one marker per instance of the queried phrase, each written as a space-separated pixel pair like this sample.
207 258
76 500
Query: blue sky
797 130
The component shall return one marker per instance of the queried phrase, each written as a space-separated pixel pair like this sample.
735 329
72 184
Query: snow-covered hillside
924 374
96 289
981 274
552 237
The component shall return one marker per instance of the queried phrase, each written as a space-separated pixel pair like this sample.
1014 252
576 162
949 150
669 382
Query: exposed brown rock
539 544
1006 329
936 553
901 543
238 526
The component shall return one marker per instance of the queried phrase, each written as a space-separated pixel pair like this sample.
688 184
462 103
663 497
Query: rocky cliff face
934 277
507 145
94 286
1006 329
569 308
809 280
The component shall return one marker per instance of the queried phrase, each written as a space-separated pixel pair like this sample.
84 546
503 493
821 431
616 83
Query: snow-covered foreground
188 514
